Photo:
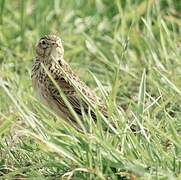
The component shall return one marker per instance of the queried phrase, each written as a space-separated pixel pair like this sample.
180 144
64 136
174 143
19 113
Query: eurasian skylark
50 57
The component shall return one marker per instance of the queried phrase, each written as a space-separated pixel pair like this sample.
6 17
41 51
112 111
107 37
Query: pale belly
39 91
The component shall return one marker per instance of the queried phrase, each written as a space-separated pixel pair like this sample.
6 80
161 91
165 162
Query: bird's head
48 47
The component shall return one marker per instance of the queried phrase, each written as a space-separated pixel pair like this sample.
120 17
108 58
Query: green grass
129 52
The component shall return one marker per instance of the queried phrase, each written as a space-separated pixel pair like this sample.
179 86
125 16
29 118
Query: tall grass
129 53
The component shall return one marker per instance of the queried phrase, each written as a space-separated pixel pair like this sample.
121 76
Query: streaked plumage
50 52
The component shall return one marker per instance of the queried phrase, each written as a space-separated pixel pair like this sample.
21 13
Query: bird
50 63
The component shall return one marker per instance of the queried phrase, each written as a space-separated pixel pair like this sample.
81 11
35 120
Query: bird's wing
71 93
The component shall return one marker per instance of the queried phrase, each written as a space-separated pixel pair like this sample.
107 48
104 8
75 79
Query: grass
129 53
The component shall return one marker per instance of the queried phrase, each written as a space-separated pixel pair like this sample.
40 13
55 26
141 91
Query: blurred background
133 47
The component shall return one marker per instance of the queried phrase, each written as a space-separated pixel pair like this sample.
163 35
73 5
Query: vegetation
130 50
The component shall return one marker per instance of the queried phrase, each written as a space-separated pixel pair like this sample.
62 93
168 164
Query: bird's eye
43 44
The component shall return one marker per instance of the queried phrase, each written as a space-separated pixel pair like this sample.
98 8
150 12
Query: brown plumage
49 53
